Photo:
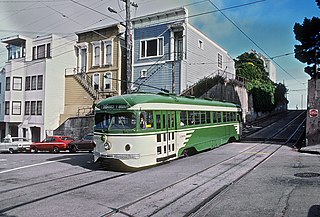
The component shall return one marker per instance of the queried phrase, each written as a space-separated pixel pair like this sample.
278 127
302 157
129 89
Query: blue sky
268 23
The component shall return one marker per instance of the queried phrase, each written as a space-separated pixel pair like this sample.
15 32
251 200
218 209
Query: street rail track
187 195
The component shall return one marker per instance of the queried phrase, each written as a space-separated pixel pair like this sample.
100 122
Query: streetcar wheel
10 150
185 153
56 149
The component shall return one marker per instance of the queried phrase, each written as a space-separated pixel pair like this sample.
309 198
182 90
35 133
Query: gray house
169 53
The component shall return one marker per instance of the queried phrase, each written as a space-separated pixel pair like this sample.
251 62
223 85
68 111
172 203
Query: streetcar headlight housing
107 145
127 147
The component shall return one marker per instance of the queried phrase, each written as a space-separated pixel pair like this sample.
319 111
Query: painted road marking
32 165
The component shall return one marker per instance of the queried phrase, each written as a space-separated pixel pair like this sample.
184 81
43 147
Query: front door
166 145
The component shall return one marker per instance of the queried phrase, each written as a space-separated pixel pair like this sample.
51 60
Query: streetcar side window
224 116
203 117
219 117
183 118
149 119
208 118
158 121
214 117
190 118
197 117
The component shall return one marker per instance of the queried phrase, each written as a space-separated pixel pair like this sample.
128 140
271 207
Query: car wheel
10 150
73 149
56 149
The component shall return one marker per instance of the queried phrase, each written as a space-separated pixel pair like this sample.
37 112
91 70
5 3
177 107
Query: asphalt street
280 183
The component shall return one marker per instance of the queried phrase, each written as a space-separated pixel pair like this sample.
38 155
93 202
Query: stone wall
76 127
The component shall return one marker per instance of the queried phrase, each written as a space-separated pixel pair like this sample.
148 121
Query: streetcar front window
117 121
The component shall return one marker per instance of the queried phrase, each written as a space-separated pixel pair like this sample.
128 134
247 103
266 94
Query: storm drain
307 175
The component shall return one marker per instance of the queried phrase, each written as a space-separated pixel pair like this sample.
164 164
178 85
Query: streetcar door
166 146
171 137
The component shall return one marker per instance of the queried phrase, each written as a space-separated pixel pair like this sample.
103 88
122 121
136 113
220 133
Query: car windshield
118 121
88 137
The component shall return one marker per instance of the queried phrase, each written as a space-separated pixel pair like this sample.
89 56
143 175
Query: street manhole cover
307 175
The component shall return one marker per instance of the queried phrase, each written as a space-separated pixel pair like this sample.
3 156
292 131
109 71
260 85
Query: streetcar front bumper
98 155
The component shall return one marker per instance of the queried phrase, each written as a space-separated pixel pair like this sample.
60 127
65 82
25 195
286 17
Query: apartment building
99 69
34 87
169 53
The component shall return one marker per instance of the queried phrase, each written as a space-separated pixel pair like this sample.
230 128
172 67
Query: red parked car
52 143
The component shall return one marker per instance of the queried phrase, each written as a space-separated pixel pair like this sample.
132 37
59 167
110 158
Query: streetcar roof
131 100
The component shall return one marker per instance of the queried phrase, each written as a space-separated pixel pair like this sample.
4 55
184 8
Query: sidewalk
312 149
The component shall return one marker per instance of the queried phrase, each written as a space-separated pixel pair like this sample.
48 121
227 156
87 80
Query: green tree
308 34
251 67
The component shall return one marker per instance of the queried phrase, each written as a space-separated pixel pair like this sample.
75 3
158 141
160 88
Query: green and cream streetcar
139 130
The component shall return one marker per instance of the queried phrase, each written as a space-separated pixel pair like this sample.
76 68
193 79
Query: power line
250 39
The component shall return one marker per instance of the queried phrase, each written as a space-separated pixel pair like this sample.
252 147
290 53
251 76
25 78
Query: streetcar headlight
107 145
127 147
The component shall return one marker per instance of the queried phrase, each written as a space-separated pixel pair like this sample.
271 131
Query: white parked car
14 144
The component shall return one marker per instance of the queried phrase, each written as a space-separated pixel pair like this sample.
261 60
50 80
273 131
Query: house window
48 50
34 53
108 52
7 83
27 83
39 107
17 83
40 82
41 51
7 108
151 47
200 44
96 79
96 53
16 108
220 61
27 108
33 82
33 107
107 81
143 73
83 58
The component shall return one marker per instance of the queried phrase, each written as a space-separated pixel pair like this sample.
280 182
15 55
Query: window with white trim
33 82
39 82
16 108
108 81
219 61
27 108
8 83
200 44
108 52
96 48
7 107
143 73
96 81
39 107
151 47
33 107
17 83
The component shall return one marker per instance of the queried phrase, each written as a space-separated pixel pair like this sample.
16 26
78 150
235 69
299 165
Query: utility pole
129 44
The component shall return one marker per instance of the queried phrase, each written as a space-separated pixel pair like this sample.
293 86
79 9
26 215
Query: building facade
98 72
169 53
34 84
